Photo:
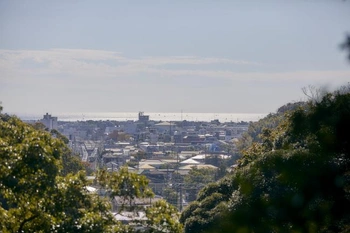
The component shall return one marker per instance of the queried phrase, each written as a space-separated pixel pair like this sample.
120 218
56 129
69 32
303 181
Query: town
164 152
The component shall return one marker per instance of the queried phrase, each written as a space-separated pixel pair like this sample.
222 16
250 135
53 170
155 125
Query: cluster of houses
161 151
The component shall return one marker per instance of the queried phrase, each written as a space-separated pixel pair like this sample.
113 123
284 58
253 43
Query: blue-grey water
156 116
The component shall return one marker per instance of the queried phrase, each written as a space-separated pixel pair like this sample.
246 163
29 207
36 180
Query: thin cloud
93 65
12 58
190 60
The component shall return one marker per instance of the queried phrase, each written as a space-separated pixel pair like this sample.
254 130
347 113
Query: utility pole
181 197
178 185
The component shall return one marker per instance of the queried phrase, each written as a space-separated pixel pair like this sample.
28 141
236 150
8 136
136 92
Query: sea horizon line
155 116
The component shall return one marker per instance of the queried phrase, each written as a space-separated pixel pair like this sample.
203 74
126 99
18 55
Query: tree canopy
38 193
294 178
196 179
163 217
124 184
43 187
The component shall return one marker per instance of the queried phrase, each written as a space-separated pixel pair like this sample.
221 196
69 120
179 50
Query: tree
44 189
211 203
196 179
124 184
117 136
71 163
303 188
163 217
79 211
256 130
55 133
140 155
39 126
170 195
34 194
296 181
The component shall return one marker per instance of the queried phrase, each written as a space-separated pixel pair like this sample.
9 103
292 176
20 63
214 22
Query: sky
168 56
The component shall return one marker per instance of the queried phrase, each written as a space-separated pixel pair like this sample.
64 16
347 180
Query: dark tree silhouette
346 45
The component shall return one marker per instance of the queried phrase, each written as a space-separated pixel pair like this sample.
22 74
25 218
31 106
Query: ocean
156 116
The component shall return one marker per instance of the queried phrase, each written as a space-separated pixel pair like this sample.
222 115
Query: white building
49 121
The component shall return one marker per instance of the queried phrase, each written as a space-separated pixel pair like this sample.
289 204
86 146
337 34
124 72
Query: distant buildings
143 118
49 121
164 152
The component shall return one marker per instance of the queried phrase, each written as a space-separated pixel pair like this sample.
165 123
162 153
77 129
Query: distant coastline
155 116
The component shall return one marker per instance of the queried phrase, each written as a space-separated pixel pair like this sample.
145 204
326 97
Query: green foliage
39 126
163 217
70 163
199 176
170 195
257 129
196 179
286 191
140 155
325 127
212 201
34 196
43 187
79 211
117 136
60 136
293 178
125 184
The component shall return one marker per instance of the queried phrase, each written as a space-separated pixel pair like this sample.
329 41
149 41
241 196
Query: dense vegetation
43 187
293 175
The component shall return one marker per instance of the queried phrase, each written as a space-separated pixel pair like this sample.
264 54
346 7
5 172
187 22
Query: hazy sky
167 56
